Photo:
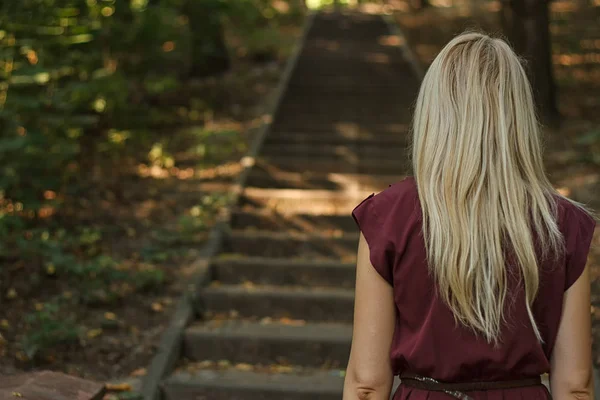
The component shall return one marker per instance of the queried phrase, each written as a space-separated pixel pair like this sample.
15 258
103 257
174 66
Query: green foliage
148 279
78 76
49 327
592 140
257 22
214 145
86 87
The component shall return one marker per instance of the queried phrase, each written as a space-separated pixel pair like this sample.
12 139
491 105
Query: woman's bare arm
369 373
571 377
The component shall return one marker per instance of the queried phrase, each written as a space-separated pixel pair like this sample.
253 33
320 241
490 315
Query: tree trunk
511 25
527 26
209 51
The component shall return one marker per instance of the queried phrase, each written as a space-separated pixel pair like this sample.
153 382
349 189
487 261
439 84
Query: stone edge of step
281 291
316 381
335 332
169 347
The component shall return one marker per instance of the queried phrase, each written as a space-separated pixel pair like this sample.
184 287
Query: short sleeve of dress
581 231
367 215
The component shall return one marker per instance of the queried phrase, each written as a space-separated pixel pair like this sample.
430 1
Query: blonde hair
477 161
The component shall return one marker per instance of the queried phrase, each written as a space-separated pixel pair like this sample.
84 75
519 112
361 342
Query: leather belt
457 389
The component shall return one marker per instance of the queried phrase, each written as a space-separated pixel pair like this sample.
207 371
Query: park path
277 317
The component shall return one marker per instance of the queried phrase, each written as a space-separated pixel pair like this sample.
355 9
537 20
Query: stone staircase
277 317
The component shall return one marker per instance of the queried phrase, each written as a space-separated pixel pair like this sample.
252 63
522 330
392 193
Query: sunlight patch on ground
391 40
224 170
442 3
563 6
378 58
576 59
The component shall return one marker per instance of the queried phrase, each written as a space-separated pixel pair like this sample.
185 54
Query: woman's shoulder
571 213
399 197
404 190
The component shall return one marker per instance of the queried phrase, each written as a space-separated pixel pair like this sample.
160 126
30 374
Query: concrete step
338 138
284 271
301 114
322 99
295 302
350 116
355 51
353 193
305 87
349 150
268 220
269 342
282 124
338 164
231 384
387 106
334 26
299 245
303 201
264 176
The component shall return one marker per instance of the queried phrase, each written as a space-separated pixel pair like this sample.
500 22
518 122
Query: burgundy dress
426 339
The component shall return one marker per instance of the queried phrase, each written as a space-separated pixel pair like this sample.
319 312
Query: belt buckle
453 393
458 395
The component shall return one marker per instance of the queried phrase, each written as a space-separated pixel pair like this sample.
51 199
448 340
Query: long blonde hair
477 161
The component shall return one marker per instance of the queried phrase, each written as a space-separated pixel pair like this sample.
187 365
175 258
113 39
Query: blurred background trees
92 92
78 78
526 23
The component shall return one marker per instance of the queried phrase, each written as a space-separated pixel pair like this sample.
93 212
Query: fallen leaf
292 322
118 387
205 364
157 307
4 324
50 269
11 294
139 372
244 367
283 369
17 394
51 358
92 333
110 316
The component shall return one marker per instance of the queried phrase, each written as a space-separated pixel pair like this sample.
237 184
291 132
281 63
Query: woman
471 275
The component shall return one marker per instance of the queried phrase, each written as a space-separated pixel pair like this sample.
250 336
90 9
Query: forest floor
152 219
